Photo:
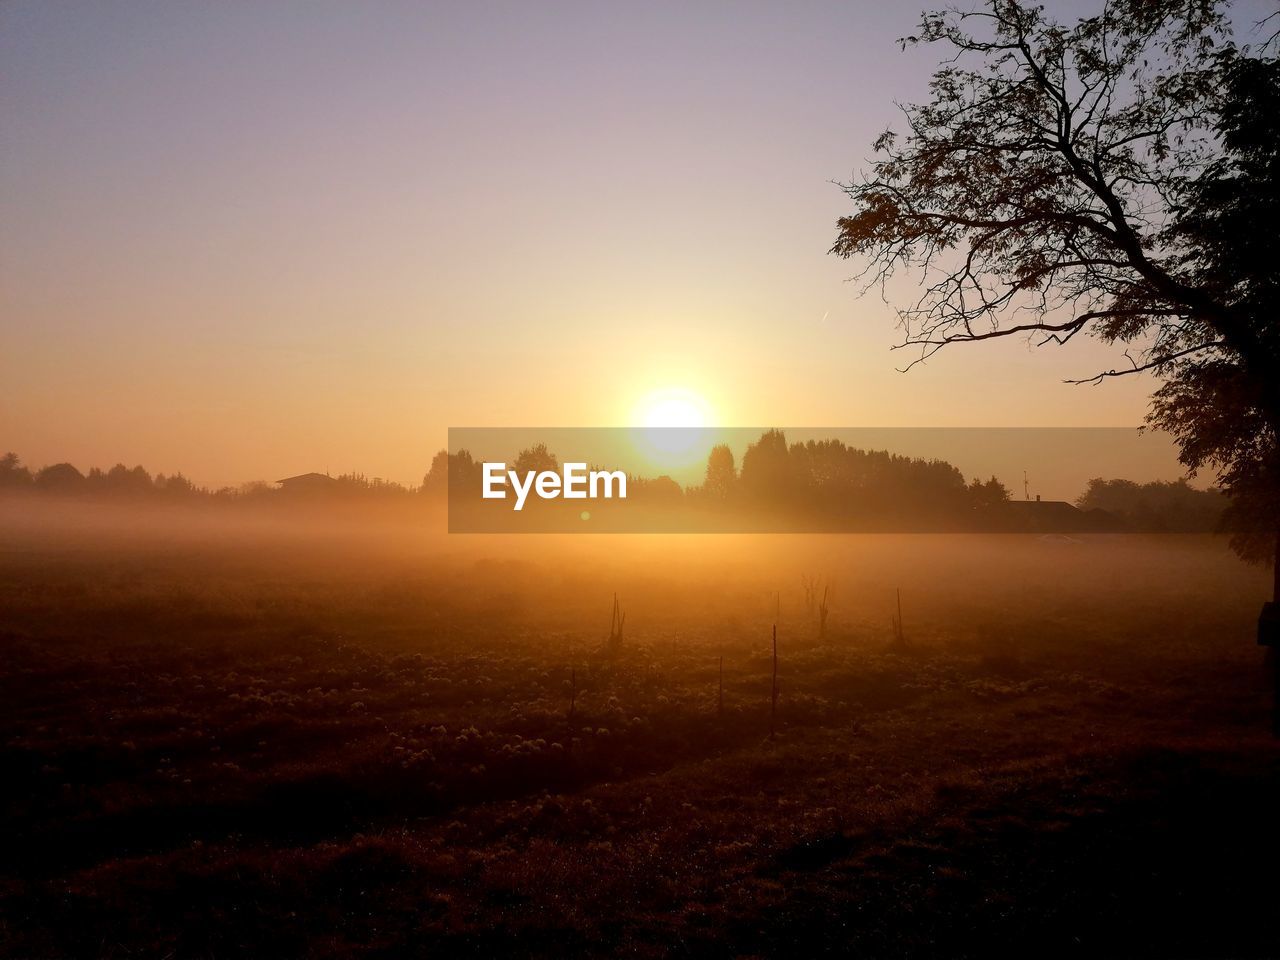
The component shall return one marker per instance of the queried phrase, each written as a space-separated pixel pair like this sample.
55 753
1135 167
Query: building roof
308 478
1058 516
1045 506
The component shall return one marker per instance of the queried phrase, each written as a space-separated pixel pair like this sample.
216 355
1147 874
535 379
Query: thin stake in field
616 623
773 693
898 636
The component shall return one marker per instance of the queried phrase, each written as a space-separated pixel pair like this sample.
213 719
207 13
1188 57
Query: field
276 741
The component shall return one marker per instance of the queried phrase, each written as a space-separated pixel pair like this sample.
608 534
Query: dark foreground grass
231 752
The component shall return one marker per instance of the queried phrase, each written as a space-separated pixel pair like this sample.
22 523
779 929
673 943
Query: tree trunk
1275 572
1273 655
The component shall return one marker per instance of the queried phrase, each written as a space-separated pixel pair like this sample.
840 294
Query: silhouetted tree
1164 507
175 486
12 473
358 484
464 473
766 469
456 473
1216 403
121 480
659 491
255 491
993 493
60 478
436 480
536 459
722 476
1114 177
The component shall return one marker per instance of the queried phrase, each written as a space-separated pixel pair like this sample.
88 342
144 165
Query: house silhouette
1058 516
307 483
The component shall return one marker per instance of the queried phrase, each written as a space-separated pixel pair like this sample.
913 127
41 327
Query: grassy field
288 744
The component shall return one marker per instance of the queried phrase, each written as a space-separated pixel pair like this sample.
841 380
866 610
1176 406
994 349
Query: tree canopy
1115 177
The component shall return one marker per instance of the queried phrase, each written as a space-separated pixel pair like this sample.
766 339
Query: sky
245 241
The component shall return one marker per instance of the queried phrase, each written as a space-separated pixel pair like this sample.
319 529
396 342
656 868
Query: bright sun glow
675 426
673 407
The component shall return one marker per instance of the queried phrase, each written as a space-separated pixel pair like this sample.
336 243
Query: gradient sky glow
247 240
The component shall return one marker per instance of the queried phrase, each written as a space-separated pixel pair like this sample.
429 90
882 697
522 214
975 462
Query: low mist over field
258 735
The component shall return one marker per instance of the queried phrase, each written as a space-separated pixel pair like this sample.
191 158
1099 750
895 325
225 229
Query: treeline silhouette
1172 506
136 483
818 484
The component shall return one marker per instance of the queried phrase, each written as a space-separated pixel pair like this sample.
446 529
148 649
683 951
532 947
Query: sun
673 407
673 427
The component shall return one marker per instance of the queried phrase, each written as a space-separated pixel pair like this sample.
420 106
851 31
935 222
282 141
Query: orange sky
246 241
